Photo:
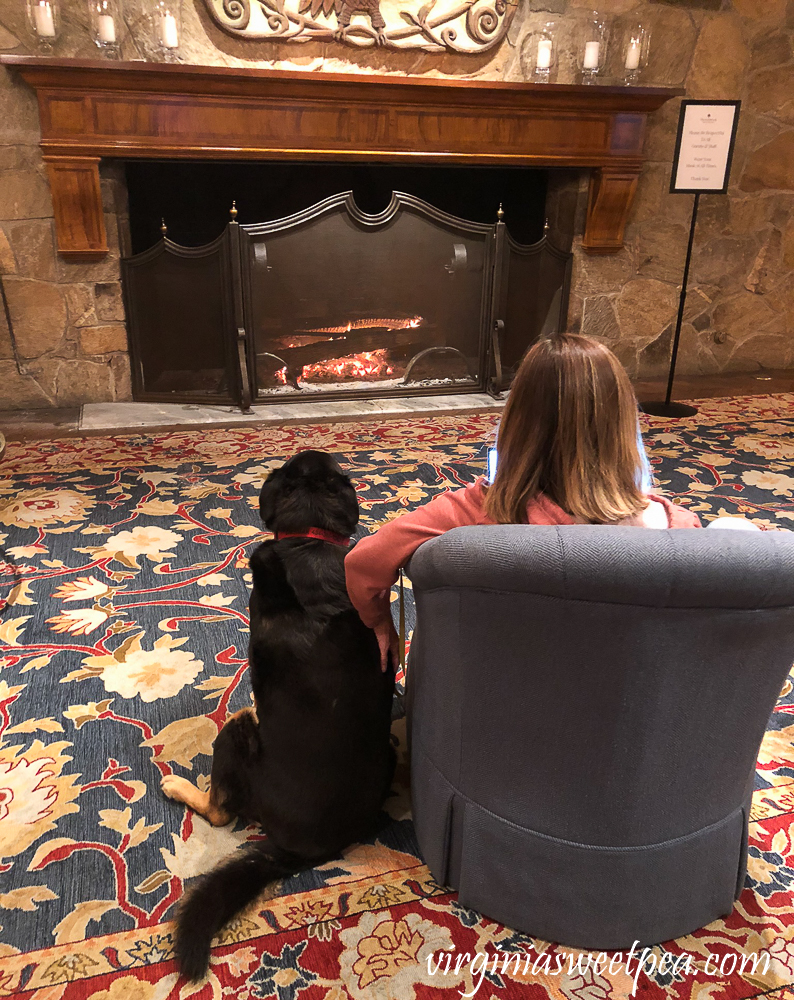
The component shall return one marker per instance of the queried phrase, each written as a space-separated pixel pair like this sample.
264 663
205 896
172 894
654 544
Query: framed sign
704 147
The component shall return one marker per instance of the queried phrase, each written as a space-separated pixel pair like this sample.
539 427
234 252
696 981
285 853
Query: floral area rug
123 636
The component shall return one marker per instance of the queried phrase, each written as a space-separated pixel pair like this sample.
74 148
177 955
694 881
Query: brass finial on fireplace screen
163 228
546 227
233 211
500 215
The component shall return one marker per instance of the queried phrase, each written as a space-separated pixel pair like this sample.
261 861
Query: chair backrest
602 685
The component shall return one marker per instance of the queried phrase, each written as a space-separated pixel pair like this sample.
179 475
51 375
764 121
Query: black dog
312 763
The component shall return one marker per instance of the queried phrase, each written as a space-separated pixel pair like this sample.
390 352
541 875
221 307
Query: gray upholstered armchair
585 707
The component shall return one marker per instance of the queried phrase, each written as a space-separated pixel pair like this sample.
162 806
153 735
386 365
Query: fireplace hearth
336 302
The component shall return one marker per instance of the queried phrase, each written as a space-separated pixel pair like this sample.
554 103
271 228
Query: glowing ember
367 363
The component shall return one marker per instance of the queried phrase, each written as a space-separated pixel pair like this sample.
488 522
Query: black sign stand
669 408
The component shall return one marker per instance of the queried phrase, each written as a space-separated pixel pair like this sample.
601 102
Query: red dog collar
320 533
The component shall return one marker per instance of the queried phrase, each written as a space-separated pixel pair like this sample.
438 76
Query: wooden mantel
90 109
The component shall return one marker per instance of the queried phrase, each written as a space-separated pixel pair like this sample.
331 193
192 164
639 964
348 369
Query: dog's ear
268 497
271 587
344 507
262 562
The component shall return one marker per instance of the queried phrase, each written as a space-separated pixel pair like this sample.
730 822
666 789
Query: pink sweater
373 565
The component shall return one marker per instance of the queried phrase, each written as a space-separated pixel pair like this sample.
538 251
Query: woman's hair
569 431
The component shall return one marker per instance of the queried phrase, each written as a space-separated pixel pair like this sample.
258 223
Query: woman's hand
388 642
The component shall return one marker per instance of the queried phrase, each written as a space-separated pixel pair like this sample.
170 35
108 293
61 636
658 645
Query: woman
568 454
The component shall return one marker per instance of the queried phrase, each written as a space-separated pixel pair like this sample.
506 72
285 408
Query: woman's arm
372 565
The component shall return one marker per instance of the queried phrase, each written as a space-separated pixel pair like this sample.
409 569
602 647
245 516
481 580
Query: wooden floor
21 424
715 386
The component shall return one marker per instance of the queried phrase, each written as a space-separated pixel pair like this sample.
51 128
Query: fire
354 366
368 363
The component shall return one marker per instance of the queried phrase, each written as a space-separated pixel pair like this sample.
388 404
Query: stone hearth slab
131 416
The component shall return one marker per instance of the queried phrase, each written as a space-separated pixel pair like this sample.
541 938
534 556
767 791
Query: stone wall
62 335
740 306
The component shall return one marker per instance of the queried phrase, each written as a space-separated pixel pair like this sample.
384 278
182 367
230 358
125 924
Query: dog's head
309 491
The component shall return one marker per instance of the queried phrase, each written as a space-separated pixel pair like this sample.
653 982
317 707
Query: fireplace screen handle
245 391
260 256
459 259
495 387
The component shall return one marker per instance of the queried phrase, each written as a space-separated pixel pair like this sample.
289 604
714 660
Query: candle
544 53
169 33
42 16
106 29
591 53
633 54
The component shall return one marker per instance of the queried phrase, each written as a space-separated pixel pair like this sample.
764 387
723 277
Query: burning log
369 364
354 342
361 348
369 324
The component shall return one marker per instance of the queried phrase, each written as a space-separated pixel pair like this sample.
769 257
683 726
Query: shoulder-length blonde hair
569 431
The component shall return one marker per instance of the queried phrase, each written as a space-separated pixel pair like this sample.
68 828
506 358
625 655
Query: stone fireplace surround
93 111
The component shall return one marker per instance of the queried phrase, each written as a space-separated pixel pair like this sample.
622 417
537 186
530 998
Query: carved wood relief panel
460 26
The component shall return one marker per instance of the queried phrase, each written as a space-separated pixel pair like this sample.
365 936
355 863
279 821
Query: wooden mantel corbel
91 109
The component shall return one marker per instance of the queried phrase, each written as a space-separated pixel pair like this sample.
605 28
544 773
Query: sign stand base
662 409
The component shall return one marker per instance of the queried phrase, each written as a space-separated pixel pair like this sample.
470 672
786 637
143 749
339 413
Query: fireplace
97 110
335 301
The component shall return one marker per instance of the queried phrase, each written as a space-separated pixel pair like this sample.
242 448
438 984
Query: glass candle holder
593 47
542 52
636 47
44 21
168 27
105 21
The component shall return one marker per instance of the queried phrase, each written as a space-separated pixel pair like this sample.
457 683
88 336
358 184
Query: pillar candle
544 53
169 33
591 53
106 29
45 23
633 54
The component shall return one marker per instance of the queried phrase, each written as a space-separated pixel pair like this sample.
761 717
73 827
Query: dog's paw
177 788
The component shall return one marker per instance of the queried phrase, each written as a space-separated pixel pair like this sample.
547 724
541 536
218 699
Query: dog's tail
220 895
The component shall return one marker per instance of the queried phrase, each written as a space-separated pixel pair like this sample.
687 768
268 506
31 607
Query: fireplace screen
334 302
